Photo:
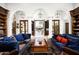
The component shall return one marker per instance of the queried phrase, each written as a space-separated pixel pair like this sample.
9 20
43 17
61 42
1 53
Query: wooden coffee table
41 48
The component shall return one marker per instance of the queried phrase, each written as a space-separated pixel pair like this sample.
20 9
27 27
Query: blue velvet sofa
73 42
58 46
12 43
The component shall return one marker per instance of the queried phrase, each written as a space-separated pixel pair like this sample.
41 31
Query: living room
39 29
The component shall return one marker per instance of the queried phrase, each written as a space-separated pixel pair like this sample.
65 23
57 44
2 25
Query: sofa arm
70 51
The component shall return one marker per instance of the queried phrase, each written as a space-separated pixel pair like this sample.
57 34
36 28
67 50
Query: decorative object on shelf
40 42
38 29
17 25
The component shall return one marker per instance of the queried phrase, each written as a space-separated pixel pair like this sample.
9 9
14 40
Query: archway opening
19 22
40 24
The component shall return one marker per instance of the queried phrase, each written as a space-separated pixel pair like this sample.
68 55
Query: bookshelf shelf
3 21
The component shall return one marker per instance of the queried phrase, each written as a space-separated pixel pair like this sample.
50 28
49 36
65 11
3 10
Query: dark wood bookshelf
3 21
75 21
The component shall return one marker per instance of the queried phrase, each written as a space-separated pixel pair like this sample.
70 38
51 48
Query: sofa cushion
26 36
63 35
64 40
73 39
19 37
7 39
75 47
59 38
60 45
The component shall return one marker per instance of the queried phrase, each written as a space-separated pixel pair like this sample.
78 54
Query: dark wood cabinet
75 21
3 21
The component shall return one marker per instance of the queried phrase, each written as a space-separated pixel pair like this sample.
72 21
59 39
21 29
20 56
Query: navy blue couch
12 43
57 44
73 42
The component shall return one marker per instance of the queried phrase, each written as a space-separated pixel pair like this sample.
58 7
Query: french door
40 27
23 26
55 26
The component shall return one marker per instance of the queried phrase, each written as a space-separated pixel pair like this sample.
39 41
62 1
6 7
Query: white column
50 27
29 26
9 23
70 25
62 26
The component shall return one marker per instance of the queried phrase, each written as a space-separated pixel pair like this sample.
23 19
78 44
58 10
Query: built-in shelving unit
3 21
75 21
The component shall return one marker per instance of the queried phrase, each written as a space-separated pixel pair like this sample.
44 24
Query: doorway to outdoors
40 28
23 26
40 23
55 26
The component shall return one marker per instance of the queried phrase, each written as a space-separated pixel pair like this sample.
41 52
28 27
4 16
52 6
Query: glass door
55 26
23 26
39 28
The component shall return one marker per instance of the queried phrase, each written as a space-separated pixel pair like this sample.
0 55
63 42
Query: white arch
40 14
18 15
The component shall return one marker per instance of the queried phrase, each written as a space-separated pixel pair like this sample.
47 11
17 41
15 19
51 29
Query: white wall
76 5
50 8
3 5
